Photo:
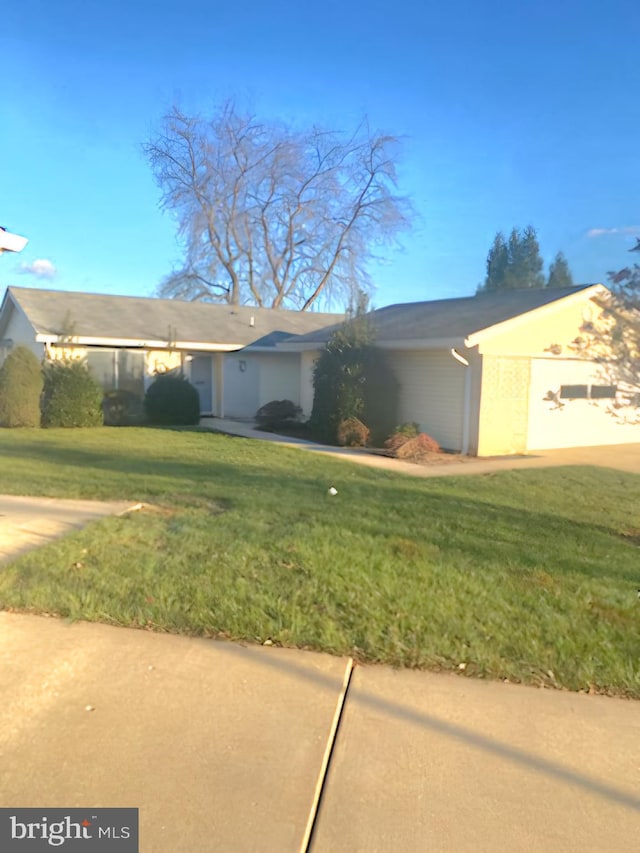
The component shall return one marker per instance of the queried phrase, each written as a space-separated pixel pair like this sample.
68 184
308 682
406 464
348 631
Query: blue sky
512 114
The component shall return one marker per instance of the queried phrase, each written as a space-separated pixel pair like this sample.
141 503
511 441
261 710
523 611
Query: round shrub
20 389
352 433
71 396
415 449
278 414
171 400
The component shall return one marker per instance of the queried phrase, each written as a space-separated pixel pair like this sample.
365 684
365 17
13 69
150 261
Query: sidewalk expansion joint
305 846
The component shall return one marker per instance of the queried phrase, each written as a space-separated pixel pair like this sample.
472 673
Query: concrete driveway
27 523
221 747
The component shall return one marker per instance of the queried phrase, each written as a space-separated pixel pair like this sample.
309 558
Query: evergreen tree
516 264
559 272
497 263
529 273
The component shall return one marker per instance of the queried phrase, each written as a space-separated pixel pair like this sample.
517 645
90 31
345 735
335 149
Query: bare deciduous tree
271 215
624 311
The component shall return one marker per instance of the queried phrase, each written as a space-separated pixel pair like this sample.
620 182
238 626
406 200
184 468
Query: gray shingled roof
94 315
449 319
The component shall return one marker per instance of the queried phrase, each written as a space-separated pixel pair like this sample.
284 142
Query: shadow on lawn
475 527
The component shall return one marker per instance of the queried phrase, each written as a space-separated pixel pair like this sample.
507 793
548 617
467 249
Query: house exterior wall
21 333
573 421
432 393
241 384
280 377
533 335
504 405
253 379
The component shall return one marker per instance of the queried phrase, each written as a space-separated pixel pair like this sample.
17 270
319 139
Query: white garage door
432 393
572 404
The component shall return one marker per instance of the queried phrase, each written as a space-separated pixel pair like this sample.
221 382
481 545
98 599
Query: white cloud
40 268
633 230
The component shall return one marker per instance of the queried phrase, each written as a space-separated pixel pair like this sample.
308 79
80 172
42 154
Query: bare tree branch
274 216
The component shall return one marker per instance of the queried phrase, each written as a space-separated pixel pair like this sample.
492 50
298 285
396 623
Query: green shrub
20 389
71 396
353 379
380 394
410 429
122 408
352 433
278 414
171 400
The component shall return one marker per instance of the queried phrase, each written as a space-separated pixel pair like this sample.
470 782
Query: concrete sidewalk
27 523
625 457
220 747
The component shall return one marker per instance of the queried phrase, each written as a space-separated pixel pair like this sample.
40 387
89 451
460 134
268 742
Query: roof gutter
411 344
466 409
134 343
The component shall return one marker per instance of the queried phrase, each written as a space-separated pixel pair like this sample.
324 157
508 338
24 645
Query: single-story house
497 373
228 352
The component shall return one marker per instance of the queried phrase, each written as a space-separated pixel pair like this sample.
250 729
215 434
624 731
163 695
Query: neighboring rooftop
449 319
93 315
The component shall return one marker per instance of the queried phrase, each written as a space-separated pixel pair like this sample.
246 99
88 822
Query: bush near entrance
171 400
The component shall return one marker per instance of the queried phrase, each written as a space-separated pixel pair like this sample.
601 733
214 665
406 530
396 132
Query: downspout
466 411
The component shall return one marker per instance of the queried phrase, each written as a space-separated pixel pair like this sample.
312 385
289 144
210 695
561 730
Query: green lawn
526 575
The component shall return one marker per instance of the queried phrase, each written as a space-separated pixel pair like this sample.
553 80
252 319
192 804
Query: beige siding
558 422
432 393
504 403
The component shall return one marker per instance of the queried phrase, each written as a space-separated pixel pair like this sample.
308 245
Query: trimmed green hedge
72 397
20 389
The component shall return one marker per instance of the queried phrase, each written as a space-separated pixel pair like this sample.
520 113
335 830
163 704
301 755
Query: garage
572 403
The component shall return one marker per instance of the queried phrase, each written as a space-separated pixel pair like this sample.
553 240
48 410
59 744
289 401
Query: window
601 392
588 392
574 392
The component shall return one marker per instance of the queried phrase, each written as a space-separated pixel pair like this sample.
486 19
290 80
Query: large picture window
118 369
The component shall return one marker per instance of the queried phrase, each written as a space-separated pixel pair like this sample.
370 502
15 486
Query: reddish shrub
352 433
414 448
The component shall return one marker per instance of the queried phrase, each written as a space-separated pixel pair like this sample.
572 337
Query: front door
202 378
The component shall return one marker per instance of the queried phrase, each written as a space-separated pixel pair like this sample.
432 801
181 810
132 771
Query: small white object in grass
268 643
462 666
333 491
89 708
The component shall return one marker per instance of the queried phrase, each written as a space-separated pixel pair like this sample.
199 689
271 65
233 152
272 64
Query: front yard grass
525 575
